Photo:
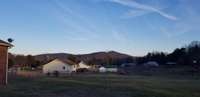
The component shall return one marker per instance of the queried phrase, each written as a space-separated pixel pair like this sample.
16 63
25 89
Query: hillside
51 56
111 57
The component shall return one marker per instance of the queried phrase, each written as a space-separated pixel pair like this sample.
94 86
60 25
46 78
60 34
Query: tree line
23 61
188 55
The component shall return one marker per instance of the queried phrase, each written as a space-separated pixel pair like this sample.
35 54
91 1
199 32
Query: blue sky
134 27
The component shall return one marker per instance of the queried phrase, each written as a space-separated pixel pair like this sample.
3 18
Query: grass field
101 86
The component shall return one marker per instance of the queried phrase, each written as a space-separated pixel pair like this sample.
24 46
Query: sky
134 27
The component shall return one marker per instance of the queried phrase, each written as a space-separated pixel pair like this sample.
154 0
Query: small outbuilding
128 65
108 69
151 64
102 69
4 46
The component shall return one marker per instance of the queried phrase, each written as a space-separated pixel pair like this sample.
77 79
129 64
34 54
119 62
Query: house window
63 67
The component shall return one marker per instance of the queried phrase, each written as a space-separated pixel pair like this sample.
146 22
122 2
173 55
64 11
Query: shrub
56 73
48 74
81 70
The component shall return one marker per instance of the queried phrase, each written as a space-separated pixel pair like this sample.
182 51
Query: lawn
98 85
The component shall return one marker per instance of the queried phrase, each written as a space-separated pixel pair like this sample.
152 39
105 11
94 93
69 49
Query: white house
60 66
83 65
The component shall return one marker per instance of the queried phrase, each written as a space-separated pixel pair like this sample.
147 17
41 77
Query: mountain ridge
109 57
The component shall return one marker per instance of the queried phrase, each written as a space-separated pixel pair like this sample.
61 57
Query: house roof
69 62
3 43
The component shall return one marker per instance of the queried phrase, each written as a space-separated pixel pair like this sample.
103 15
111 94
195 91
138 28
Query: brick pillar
3 64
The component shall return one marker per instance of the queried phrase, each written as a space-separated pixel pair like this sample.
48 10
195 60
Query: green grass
98 85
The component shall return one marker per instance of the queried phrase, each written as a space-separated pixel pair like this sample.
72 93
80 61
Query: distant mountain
100 58
51 56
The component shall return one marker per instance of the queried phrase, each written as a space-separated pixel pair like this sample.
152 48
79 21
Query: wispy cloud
118 36
77 38
135 13
181 28
81 25
144 8
173 31
188 24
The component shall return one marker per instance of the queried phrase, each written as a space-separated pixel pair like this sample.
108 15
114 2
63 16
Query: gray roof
3 43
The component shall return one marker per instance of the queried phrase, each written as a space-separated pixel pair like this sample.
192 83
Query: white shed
151 63
60 66
102 69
